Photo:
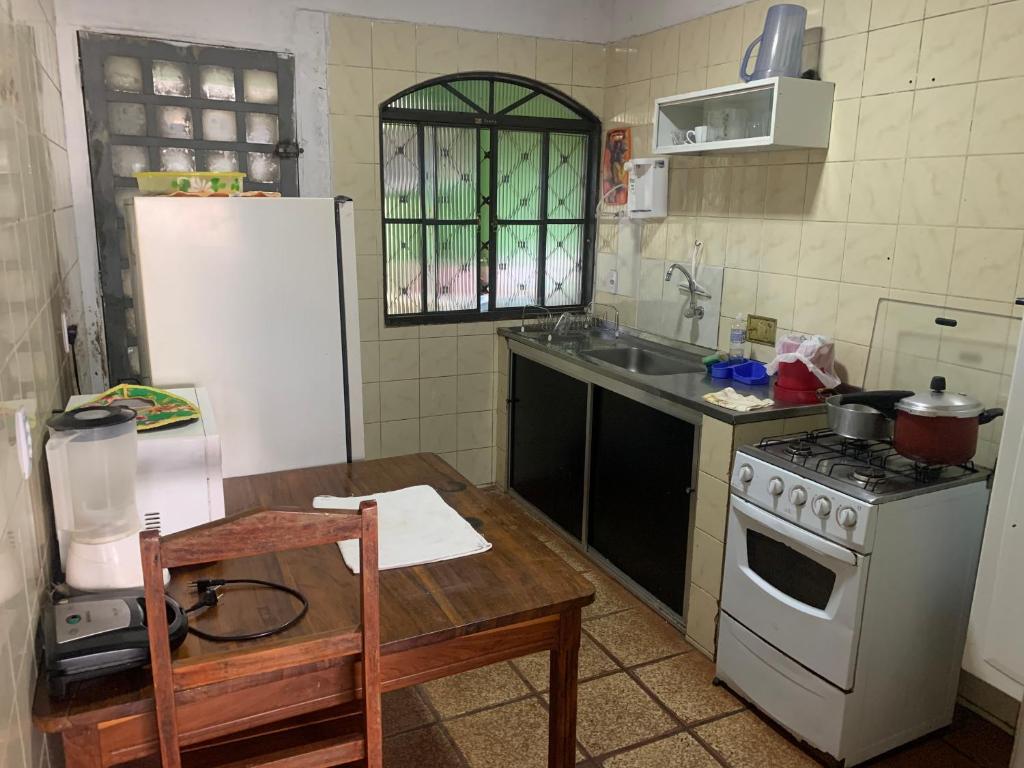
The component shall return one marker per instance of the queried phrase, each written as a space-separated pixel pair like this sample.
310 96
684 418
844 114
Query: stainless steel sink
644 361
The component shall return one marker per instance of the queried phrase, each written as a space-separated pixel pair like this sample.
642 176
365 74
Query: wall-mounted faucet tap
692 310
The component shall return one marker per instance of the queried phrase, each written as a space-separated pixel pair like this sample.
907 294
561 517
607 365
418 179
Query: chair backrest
256 532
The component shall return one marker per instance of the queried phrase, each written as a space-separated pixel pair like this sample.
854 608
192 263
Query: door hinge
289 150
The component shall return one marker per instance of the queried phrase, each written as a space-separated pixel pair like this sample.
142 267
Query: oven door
798 591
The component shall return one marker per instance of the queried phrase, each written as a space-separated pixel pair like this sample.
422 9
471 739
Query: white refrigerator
255 300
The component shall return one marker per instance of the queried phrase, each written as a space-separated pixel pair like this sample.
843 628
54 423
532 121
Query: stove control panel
810 505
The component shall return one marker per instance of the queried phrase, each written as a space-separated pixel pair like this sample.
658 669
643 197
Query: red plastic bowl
798 377
783 394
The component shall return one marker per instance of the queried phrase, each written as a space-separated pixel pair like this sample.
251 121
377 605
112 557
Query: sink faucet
692 310
612 307
545 310
564 317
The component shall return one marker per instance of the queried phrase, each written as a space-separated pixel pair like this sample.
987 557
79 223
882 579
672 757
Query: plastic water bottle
738 337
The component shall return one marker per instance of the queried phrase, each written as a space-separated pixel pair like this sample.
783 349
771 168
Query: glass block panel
477 91
451 172
217 83
264 167
260 128
220 160
123 73
404 291
567 175
127 161
518 247
260 86
519 161
563 265
435 97
170 78
177 159
219 125
451 267
506 94
174 122
126 119
401 172
542 105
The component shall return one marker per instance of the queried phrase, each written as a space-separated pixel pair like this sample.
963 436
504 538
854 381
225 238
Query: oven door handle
793 533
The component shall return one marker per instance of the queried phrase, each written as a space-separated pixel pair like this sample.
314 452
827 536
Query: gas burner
799 449
865 476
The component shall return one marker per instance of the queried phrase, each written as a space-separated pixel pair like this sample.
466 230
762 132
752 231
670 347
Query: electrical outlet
761 330
612 283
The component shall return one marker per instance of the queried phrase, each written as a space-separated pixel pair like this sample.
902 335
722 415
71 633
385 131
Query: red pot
939 427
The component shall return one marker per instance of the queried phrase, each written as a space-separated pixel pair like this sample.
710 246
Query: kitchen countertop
686 389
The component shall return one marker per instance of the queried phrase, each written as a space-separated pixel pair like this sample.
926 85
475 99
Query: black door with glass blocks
152 105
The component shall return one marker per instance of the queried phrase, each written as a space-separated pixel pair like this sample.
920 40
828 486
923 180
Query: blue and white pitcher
782 41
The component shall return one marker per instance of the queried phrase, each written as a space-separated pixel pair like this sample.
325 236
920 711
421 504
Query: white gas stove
849 572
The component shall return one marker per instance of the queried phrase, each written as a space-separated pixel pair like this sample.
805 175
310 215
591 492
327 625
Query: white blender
92 454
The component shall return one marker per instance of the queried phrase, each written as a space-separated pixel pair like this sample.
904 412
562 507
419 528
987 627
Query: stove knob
746 473
846 517
775 486
822 507
798 496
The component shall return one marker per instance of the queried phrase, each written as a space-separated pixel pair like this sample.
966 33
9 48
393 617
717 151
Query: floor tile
478 688
636 636
609 596
683 684
593 662
404 710
422 748
514 734
746 742
927 754
978 739
572 556
679 751
614 713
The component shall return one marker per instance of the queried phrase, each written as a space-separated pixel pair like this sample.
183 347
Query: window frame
588 124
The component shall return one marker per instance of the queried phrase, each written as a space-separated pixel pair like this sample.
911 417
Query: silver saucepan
858 416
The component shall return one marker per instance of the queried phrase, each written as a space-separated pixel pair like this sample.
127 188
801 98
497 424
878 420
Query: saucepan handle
990 414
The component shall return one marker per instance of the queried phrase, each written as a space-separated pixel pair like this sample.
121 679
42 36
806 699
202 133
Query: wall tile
892 12
1004 30
855 318
638 59
388 83
477 465
475 392
371 402
352 139
938 7
828 191
816 306
369 356
941 121
399 400
776 297
877 185
842 62
931 190
694 38
398 438
439 356
951 48
998 125
922 258
350 41
588 64
712 505
665 52
739 291
846 17
784 195
476 354
986 263
399 359
702 621
438 396
475 430
350 90
884 126
517 54
726 36
892 59
554 61
868 254
723 74
359 181
438 434
743 243
842 141
437 49
993 195
394 45
716 448
780 246
708 555
477 51
821 250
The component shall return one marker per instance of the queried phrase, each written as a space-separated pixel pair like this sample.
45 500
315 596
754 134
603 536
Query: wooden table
436 620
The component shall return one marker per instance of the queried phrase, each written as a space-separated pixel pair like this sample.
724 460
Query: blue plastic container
723 370
750 372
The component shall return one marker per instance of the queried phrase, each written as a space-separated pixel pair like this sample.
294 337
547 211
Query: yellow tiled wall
430 387
917 197
38 272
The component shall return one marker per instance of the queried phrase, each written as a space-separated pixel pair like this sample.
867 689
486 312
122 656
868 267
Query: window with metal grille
488 185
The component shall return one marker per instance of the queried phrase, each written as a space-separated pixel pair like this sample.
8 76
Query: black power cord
72 337
209 596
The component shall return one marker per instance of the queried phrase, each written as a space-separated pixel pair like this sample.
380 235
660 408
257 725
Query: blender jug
96 447
781 50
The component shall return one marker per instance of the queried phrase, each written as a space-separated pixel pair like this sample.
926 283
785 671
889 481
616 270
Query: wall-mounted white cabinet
774 113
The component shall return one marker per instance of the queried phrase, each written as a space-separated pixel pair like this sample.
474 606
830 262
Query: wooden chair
247 534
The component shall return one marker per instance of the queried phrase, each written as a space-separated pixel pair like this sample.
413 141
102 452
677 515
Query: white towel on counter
734 401
415 526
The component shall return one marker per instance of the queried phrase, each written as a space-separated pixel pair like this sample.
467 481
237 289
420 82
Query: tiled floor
645 701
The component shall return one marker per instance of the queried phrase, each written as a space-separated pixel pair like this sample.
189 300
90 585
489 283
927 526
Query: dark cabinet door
640 475
548 423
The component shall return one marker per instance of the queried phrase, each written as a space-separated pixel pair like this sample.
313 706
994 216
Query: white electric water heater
648 188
